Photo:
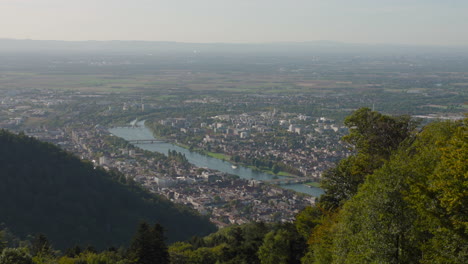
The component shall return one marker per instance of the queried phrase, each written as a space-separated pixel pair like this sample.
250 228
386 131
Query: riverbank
205 161
313 184
220 156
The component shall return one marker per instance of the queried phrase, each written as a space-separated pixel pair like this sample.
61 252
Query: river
141 132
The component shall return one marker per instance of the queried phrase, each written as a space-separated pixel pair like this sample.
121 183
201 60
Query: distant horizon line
251 43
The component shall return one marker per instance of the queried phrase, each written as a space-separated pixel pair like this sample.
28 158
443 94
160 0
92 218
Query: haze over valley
220 132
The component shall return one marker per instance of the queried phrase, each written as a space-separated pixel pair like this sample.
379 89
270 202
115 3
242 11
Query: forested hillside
402 197
46 190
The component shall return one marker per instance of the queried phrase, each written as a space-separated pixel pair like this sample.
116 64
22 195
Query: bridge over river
289 180
140 134
145 141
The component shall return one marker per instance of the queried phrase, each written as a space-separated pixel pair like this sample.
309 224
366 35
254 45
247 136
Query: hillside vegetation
44 189
402 197
397 200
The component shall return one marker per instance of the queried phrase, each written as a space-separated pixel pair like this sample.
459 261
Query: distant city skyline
410 22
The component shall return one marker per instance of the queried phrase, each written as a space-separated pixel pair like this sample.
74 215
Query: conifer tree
148 246
41 246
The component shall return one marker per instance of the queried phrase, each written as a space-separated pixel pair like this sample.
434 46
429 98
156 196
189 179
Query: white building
103 160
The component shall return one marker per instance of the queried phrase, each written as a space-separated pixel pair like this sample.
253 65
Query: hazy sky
430 22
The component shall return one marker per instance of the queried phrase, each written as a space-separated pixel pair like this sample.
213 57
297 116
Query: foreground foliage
411 209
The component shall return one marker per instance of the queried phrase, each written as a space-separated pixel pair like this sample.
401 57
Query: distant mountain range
155 47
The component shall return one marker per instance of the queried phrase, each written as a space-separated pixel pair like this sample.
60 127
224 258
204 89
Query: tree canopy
374 137
412 208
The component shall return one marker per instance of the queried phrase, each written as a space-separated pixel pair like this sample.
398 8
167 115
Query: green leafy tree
374 137
377 225
236 244
321 240
412 209
276 169
283 245
411 206
442 201
180 252
184 253
341 182
308 219
275 248
377 135
15 256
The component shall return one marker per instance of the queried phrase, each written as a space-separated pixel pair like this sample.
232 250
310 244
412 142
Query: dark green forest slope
44 189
